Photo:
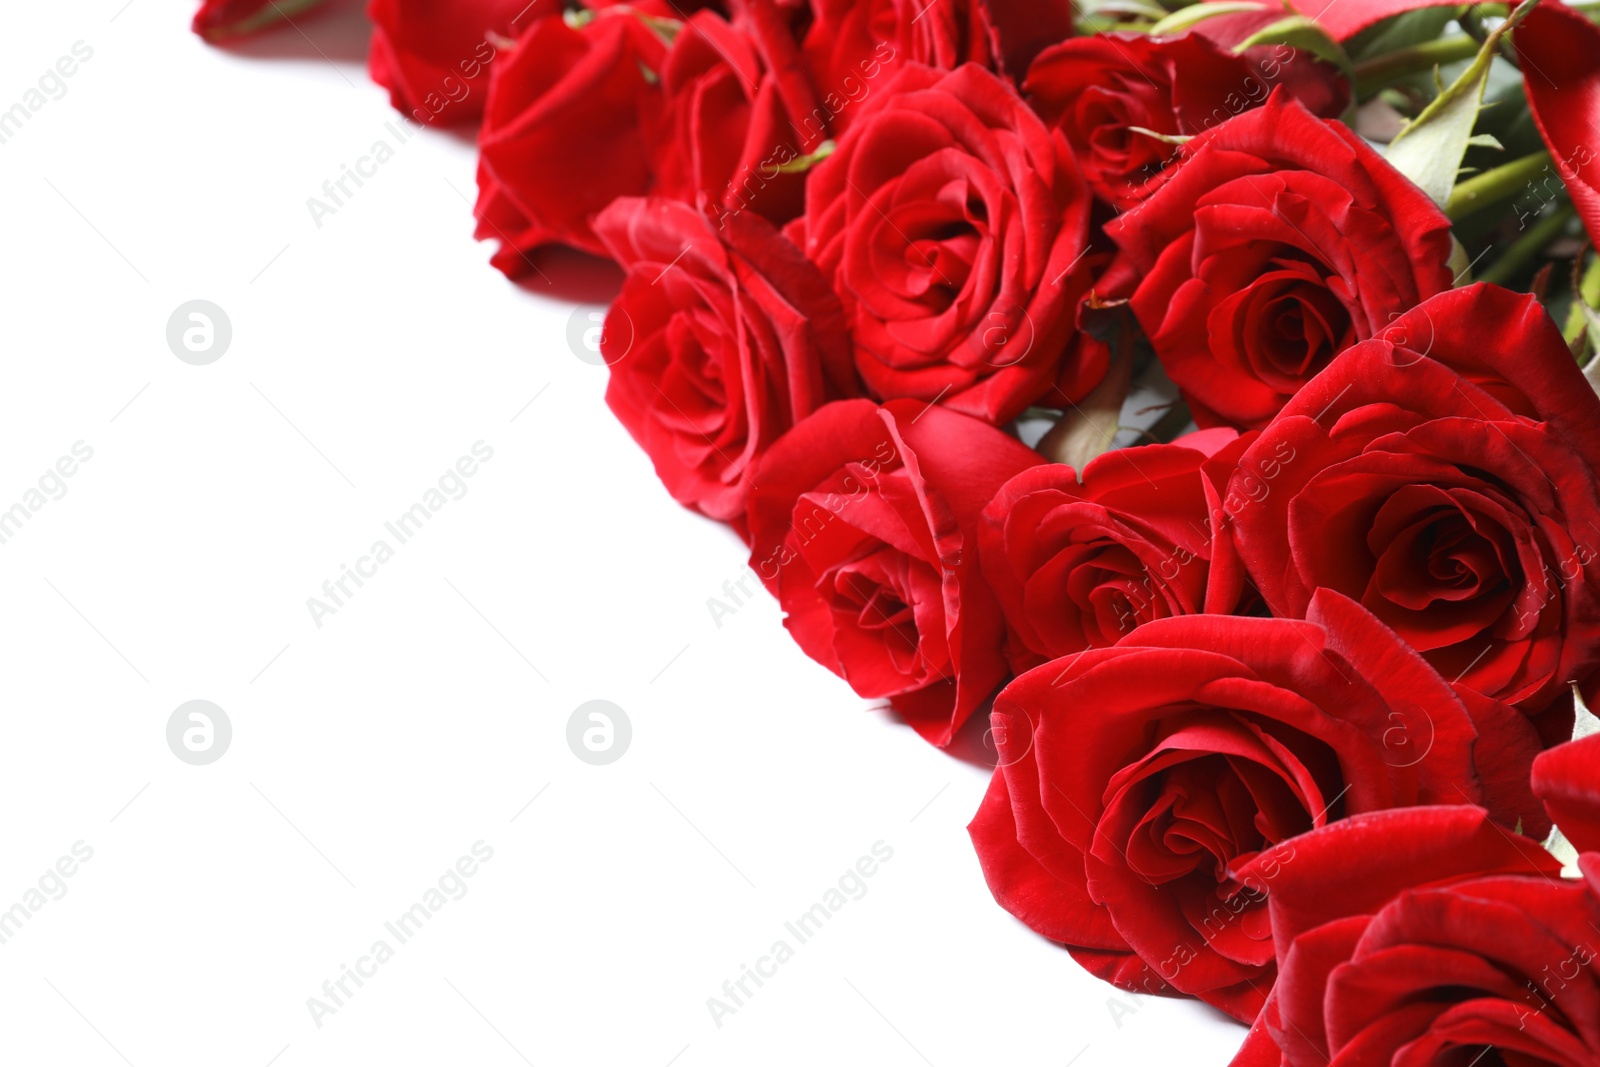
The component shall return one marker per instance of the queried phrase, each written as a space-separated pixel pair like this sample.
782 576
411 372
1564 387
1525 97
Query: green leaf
1297 31
1584 318
1460 266
1186 17
1430 148
1402 31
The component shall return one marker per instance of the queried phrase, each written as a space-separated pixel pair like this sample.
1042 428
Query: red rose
1104 91
1277 241
851 43
565 130
726 132
1443 474
1428 936
720 341
1077 564
218 20
434 55
1136 780
950 221
862 524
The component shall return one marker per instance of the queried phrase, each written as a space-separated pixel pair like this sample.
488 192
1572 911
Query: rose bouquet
1203 393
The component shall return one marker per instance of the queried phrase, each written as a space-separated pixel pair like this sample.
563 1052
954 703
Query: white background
369 754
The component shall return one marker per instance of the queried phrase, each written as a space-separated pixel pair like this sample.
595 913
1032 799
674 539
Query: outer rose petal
1562 79
1567 779
1021 884
1311 881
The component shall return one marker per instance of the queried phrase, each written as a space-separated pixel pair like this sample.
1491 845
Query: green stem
1375 74
1527 247
1493 186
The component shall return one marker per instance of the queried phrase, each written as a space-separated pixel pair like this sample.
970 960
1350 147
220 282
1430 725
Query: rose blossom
1079 562
1277 241
1109 93
863 525
1432 936
565 130
1136 780
1443 474
953 224
721 340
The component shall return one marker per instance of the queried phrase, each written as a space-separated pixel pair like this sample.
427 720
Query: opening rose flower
565 131
726 131
952 224
1443 475
721 340
1135 781
1432 936
1109 94
1277 241
1078 564
863 525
